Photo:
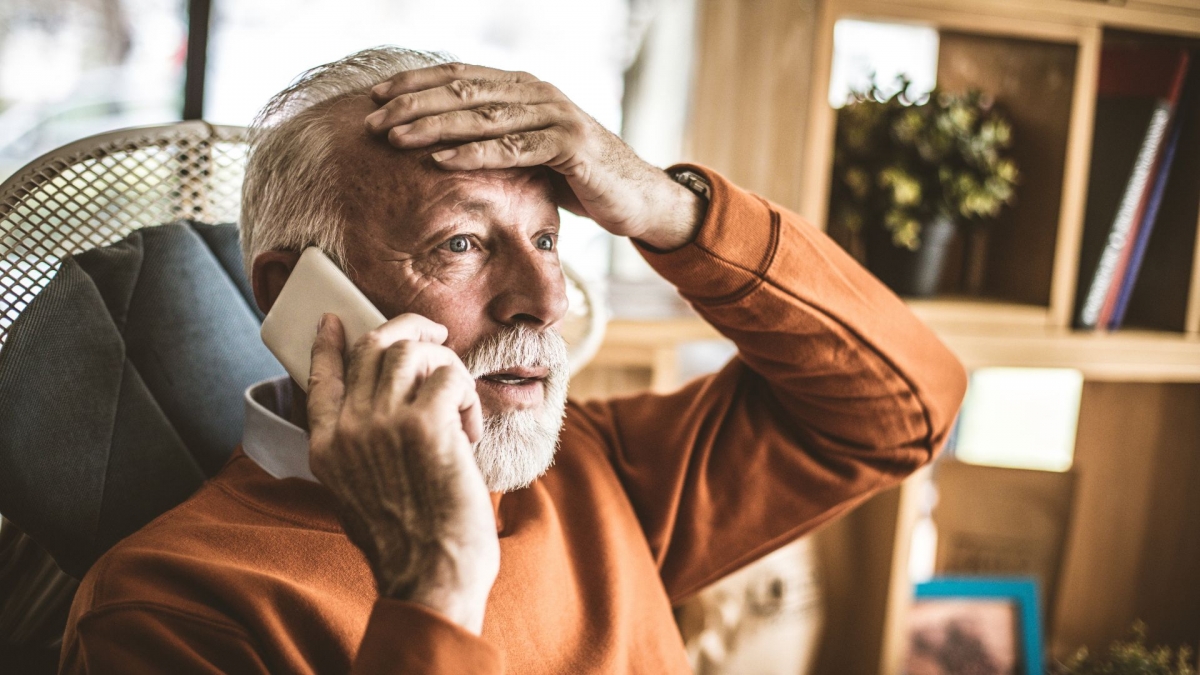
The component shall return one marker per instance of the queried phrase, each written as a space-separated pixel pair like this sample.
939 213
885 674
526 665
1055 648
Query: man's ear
271 270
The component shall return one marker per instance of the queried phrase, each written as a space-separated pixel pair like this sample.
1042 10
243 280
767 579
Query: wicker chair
90 194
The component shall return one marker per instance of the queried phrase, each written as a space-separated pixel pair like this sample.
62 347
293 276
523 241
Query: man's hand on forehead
496 119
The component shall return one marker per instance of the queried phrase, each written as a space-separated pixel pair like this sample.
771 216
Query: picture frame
980 624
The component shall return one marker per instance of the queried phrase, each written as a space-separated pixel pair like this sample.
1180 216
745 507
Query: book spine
1119 272
1143 235
1122 277
1118 236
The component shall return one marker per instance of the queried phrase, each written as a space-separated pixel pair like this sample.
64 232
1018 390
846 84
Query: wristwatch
692 181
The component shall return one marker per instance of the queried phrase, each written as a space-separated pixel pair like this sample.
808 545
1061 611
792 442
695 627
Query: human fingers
411 326
447 388
405 365
325 384
527 148
463 94
477 124
436 76
363 371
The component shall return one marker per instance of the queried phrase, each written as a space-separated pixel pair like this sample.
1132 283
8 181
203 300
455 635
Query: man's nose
532 290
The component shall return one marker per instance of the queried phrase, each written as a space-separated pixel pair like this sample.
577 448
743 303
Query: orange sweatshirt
837 392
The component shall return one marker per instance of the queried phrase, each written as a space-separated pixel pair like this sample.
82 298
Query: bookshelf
760 114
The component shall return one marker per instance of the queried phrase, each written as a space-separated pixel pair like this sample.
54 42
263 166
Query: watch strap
692 181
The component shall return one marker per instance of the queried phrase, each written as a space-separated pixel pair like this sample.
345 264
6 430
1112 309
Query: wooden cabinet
760 114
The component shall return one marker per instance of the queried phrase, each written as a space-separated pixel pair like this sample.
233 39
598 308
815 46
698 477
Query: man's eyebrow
483 206
473 205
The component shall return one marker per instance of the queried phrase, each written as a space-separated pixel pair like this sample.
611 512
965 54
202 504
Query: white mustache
519 347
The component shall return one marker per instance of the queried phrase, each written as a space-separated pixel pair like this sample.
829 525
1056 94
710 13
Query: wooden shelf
953 311
1123 356
993 334
761 116
1044 18
659 332
982 334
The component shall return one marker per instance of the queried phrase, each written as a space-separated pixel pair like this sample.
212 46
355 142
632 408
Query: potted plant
910 171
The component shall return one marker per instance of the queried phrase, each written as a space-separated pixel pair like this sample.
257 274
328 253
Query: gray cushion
120 386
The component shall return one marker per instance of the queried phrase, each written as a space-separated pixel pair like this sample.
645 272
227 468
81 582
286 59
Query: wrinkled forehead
384 184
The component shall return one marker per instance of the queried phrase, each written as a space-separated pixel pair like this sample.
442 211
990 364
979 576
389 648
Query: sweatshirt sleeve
404 637
837 391
135 638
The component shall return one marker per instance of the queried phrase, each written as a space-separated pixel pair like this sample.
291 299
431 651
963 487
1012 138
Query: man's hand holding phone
391 427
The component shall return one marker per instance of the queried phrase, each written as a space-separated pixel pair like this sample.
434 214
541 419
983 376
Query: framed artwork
975 626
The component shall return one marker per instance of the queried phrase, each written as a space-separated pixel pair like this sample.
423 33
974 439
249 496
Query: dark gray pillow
121 386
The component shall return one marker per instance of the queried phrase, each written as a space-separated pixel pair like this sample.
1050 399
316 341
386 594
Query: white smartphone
315 287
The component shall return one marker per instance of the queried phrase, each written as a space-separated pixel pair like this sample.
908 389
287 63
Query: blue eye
459 244
545 242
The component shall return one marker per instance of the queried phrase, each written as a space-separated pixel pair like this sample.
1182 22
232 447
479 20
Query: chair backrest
95 439
120 383
84 196
95 191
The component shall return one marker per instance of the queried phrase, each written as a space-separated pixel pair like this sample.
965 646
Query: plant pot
974 267
914 273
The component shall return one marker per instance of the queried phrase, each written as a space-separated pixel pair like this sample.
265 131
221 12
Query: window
99 65
1020 417
109 64
863 48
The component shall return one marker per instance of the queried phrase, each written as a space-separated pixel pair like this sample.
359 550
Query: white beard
518 446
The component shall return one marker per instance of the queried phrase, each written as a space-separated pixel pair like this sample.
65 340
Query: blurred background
70 69
1026 173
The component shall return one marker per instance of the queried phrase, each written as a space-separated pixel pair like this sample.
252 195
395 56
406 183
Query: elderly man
441 514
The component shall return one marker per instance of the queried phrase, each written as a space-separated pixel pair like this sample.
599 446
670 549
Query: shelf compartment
1159 300
1033 82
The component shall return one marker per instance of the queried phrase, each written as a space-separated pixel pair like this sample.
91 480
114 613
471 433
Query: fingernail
375 119
443 155
321 323
381 89
402 129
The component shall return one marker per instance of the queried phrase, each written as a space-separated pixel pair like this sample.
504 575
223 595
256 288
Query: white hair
290 192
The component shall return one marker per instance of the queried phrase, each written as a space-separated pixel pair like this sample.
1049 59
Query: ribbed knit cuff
405 637
731 252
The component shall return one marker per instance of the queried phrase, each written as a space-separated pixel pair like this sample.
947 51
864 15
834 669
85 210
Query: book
1138 251
1106 268
1120 126
1138 89
1121 278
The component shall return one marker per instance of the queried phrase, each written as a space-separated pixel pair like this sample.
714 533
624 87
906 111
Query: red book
1133 79
1171 101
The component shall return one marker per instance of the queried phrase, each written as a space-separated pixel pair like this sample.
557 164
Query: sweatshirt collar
275 444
